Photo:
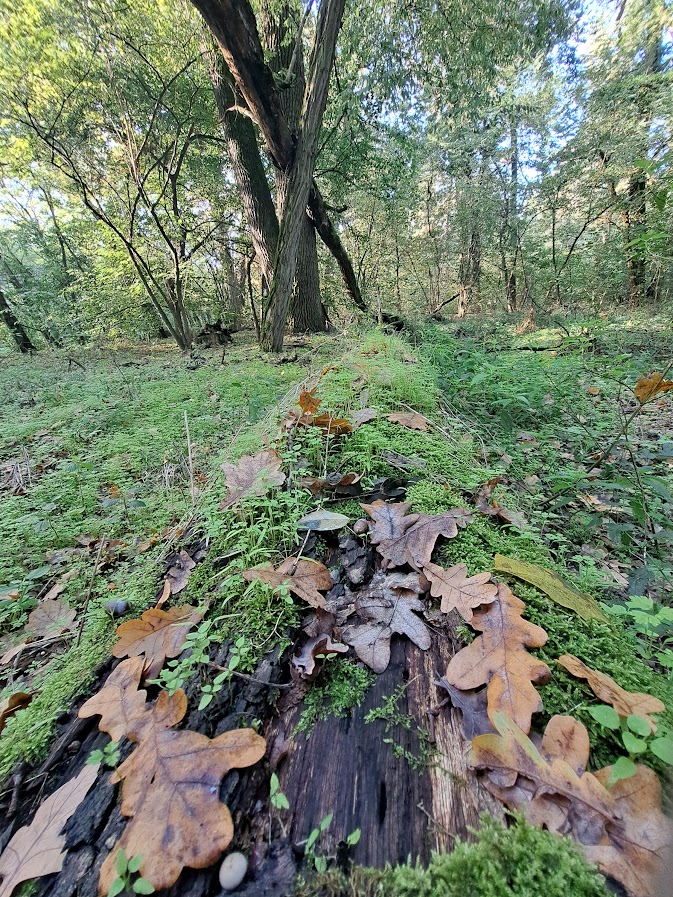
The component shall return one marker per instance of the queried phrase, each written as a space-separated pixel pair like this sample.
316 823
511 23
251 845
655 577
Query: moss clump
520 861
343 686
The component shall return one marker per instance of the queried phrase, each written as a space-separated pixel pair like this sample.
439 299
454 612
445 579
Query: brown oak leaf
410 539
648 387
171 784
626 703
499 658
178 574
387 606
252 475
305 577
10 705
458 590
38 849
119 703
486 504
158 634
412 420
308 661
329 423
472 705
308 401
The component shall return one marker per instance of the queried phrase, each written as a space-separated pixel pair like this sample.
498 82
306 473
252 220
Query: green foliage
342 686
125 882
109 756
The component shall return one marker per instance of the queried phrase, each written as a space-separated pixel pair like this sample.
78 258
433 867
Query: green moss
341 687
519 861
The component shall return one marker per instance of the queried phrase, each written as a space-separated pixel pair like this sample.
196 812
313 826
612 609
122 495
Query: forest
336 440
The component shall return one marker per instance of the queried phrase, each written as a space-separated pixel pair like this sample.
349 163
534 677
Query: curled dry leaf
553 586
330 424
626 703
305 577
387 606
308 662
499 658
622 828
10 705
178 574
252 475
334 484
487 505
410 539
38 849
649 387
158 634
308 401
458 590
171 781
412 420
472 705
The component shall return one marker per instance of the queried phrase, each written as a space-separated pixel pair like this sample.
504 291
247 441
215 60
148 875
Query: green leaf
638 725
116 887
275 784
121 861
281 802
205 700
135 862
353 838
312 838
327 821
663 748
142 886
632 744
606 716
320 864
623 768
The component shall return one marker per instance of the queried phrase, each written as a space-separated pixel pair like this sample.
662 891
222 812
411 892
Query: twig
88 594
221 669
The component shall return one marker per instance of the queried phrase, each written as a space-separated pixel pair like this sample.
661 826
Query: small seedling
126 868
276 796
636 737
109 756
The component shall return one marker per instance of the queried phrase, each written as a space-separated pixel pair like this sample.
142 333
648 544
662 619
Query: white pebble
232 871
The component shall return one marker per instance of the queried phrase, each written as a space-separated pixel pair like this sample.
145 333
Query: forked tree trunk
175 299
23 342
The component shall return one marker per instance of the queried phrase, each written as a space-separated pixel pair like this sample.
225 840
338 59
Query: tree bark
23 342
469 273
510 269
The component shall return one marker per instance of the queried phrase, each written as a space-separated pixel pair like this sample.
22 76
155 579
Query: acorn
117 607
360 527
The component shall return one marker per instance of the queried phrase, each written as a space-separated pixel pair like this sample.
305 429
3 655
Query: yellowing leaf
499 658
552 585
37 849
648 387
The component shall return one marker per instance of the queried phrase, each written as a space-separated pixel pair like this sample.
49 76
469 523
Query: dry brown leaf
626 703
55 590
252 475
401 539
486 504
499 658
178 574
340 484
37 849
472 705
308 662
412 420
649 387
308 401
50 618
158 634
458 590
165 593
171 781
387 607
119 703
363 416
328 423
10 705
305 577
635 848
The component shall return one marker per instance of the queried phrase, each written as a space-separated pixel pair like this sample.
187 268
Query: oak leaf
626 703
499 659
363 416
308 401
18 701
410 539
252 475
303 576
119 703
458 590
37 849
412 420
648 387
158 634
387 606
634 849
308 661
486 504
329 423
472 705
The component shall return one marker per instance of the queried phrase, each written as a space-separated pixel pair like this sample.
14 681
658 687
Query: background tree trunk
23 342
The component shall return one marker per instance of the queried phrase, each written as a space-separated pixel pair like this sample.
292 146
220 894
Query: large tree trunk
285 51
175 299
23 341
234 26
